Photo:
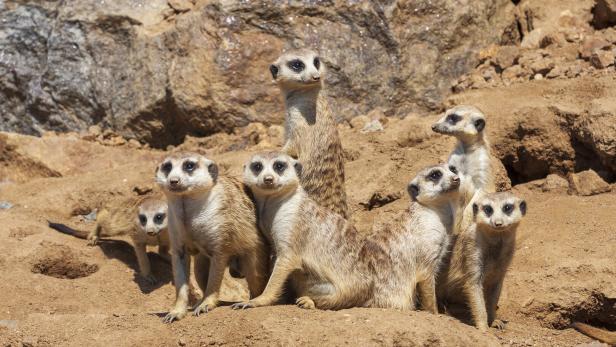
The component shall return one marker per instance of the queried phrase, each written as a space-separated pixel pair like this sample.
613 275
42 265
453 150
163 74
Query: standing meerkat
311 134
214 218
329 264
471 156
481 256
144 220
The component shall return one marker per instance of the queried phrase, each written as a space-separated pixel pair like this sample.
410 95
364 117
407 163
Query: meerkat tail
68 230
604 336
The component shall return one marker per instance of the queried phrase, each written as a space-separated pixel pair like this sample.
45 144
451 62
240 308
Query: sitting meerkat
471 156
329 264
311 134
214 218
147 225
481 256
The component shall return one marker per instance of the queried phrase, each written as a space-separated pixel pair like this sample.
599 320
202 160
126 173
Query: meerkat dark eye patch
413 190
296 65
298 169
435 176
475 209
274 70
159 218
453 169
279 167
480 124
508 208
523 207
453 119
189 166
143 219
256 167
488 210
166 168
213 170
317 62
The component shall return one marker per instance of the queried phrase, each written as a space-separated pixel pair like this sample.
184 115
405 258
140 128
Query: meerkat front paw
173 315
244 305
92 240
204 307
499 324
305 302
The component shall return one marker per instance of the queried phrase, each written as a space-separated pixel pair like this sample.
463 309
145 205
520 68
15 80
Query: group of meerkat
285 226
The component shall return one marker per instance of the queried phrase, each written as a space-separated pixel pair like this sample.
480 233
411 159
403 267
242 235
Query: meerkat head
152 216
186 173
499 211
464 122
434 185
272 173
298 69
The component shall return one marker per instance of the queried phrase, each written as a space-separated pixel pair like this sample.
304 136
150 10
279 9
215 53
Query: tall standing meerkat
329 264
471 156
311 134
145 223
481 255
214 218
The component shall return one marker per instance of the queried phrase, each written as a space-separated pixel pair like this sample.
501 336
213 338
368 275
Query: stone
68 65
506 56
587 183
514 72
555 184
604 14
533 39
359 122
538 77
592 44
602 59
372 126
542 66
5 205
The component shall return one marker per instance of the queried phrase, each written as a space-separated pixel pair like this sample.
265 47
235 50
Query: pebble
5 205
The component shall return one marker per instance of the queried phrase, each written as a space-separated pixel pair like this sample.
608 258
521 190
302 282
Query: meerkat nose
174 181
498 223
434 127
316 78
456 179
269 179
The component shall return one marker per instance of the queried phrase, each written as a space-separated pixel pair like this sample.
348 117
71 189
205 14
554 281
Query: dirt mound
62 262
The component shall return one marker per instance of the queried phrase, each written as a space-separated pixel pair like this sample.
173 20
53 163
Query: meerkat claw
242 305
305 302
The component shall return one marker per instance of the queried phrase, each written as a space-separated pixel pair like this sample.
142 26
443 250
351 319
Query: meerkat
604 336
311 134
481 256
145 223
329 264
416 245
471 156
213 217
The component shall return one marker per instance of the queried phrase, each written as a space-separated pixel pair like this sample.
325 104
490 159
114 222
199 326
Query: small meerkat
471 157
602 335
147 225
481 255
214 218
329 264
311 134
416 245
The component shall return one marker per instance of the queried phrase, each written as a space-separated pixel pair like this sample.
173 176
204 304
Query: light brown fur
214 218
329 264
605 336
310 129
475 270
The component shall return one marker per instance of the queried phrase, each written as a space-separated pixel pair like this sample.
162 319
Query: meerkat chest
279 220
203 220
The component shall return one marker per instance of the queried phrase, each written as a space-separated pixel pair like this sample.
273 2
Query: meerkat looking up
145 223
471 156
214 218
311 134
481 255
347 270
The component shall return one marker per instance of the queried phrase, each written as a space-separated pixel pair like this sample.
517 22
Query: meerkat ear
413 190
480 124
274 70
298 168
475 209
213 170
523 207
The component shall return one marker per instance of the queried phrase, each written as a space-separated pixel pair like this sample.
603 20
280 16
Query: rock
276 134
538 77
372 126
542 66
609 35
555 184
5 205
587 183
68 65
532 39
359 122
592 44
604 14
514 72
506 56
597 131
602 59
